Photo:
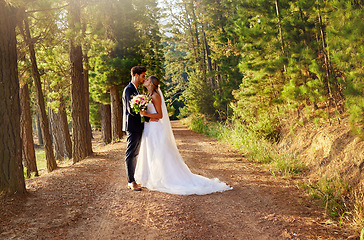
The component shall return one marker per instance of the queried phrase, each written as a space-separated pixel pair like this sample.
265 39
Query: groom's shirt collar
135 87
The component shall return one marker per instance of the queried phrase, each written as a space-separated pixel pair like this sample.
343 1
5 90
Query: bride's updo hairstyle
155 82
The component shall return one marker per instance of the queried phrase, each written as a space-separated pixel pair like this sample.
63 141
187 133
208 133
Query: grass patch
41 162
199 124
288 164
341 202
331 193
358 211
247 142
41 159
255 148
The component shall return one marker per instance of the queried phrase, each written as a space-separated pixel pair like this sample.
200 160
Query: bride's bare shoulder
156 96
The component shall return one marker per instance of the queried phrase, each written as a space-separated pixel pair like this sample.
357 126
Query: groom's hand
154 119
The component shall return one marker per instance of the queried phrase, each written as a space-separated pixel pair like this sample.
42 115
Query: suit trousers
132 151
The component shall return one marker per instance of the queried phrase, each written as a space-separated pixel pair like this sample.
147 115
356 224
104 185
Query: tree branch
48 9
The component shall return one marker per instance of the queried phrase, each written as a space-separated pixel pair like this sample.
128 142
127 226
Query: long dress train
160 166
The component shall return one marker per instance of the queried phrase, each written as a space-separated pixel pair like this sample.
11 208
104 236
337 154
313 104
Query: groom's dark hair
137 70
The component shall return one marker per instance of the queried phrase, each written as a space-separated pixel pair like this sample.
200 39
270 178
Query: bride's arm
157 102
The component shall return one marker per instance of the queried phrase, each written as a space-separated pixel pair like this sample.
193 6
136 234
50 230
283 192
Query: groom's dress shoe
134 186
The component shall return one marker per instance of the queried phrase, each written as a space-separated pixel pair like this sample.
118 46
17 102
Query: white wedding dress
160 166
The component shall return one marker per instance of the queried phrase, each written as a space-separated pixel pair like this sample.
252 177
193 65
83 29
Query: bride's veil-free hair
155 81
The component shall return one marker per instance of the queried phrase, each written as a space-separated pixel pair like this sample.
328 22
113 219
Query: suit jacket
131 120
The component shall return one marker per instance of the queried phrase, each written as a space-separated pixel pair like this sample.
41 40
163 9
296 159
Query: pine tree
345 39
11 167
128 35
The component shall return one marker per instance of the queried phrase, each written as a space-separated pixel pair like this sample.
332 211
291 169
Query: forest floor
90 200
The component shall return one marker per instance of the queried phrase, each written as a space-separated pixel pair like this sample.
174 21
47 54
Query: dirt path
89 200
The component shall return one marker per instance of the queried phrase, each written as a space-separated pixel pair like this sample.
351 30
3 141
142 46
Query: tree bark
87 104
208 58
87 91
11 167
105 111
78 112
280 33
194 18
323 39
39 130
27 132
189 24
48 148
327 64
61 136
117 133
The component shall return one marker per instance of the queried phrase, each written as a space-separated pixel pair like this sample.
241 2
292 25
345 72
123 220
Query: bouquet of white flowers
139 102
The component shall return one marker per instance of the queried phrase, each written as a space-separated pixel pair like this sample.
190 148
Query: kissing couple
152 158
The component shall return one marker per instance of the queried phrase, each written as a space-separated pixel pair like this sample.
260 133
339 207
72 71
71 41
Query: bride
160 166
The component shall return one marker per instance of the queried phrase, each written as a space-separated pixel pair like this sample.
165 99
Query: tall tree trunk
280 33
208 58
208 52
194 18
11 167
66 131
117 133
87 91
326 58
39 130
87 104
27 132
79 124
51 162
188 19
61 137
327 64
105 111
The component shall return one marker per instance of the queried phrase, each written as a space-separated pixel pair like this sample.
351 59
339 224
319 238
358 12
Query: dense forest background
245 65
261 61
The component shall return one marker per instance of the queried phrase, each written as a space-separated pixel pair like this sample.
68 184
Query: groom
132 125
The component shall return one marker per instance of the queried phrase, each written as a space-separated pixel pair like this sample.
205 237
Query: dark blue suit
133 127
